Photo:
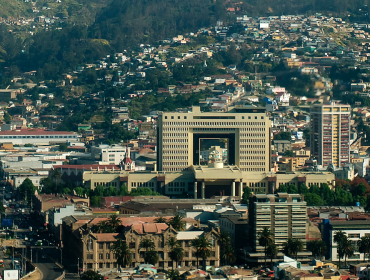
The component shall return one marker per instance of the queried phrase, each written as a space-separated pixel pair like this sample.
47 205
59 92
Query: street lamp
78 266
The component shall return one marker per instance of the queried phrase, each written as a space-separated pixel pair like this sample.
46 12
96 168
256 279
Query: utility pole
31 254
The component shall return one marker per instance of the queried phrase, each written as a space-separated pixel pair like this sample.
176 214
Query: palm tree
203 249
364 245
172 242
149 247
228 254
160 220
347 249
177 254
114 221
56 174
123 253
272 251
292 247
339 237
224 238
265 239
317 247
146 244
195 244
177 223
102 227
173 274
151 257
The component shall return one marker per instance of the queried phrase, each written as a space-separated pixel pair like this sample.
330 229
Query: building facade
330 133
93 250
246 128
37 136
284 214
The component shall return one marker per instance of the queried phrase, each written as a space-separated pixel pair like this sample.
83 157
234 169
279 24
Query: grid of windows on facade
176 186
142 184
258 187
106 184
38 137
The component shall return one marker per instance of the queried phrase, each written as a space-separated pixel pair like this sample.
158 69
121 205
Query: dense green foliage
346 193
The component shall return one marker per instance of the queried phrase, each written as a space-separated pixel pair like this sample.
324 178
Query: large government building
246 128
192 160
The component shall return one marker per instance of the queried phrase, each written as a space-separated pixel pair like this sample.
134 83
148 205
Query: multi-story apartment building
330 133
93 250
284 214
246 128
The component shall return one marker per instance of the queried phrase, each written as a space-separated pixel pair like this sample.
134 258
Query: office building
284 214
246 130
330 133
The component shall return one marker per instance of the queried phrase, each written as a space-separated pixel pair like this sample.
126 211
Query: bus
2 263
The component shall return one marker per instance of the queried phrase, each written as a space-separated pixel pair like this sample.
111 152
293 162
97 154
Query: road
47 269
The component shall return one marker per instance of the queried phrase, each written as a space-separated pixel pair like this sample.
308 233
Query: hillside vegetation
125 23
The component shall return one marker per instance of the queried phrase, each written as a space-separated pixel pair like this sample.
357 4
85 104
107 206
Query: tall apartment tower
284 214
247 129
330 133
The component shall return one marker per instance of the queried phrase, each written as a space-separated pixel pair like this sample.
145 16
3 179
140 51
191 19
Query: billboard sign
7 223
11 275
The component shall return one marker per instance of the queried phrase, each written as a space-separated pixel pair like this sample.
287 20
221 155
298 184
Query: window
101 246
100 265
89 266
354 235
132 245
107 265
90 256
100 256
107 256
108 246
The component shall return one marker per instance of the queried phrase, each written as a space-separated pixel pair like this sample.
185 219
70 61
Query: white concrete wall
334 252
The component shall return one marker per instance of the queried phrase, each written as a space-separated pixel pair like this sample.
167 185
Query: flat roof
35 132
225 173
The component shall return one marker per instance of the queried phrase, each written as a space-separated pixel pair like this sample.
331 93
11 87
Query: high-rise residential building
247 130
284 214
330 133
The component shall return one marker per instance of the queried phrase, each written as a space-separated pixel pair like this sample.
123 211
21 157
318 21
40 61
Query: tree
292 246
90 275
173 274
160 220
317 247
265 238
177 254
151 257
177 223
347 249
56 175
228 254
123 253
149 246
272 251
203 251
339 238
292 188
123 191
114 222
364 245
27 190
289 153
313 199
7 118
302 189
246 194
